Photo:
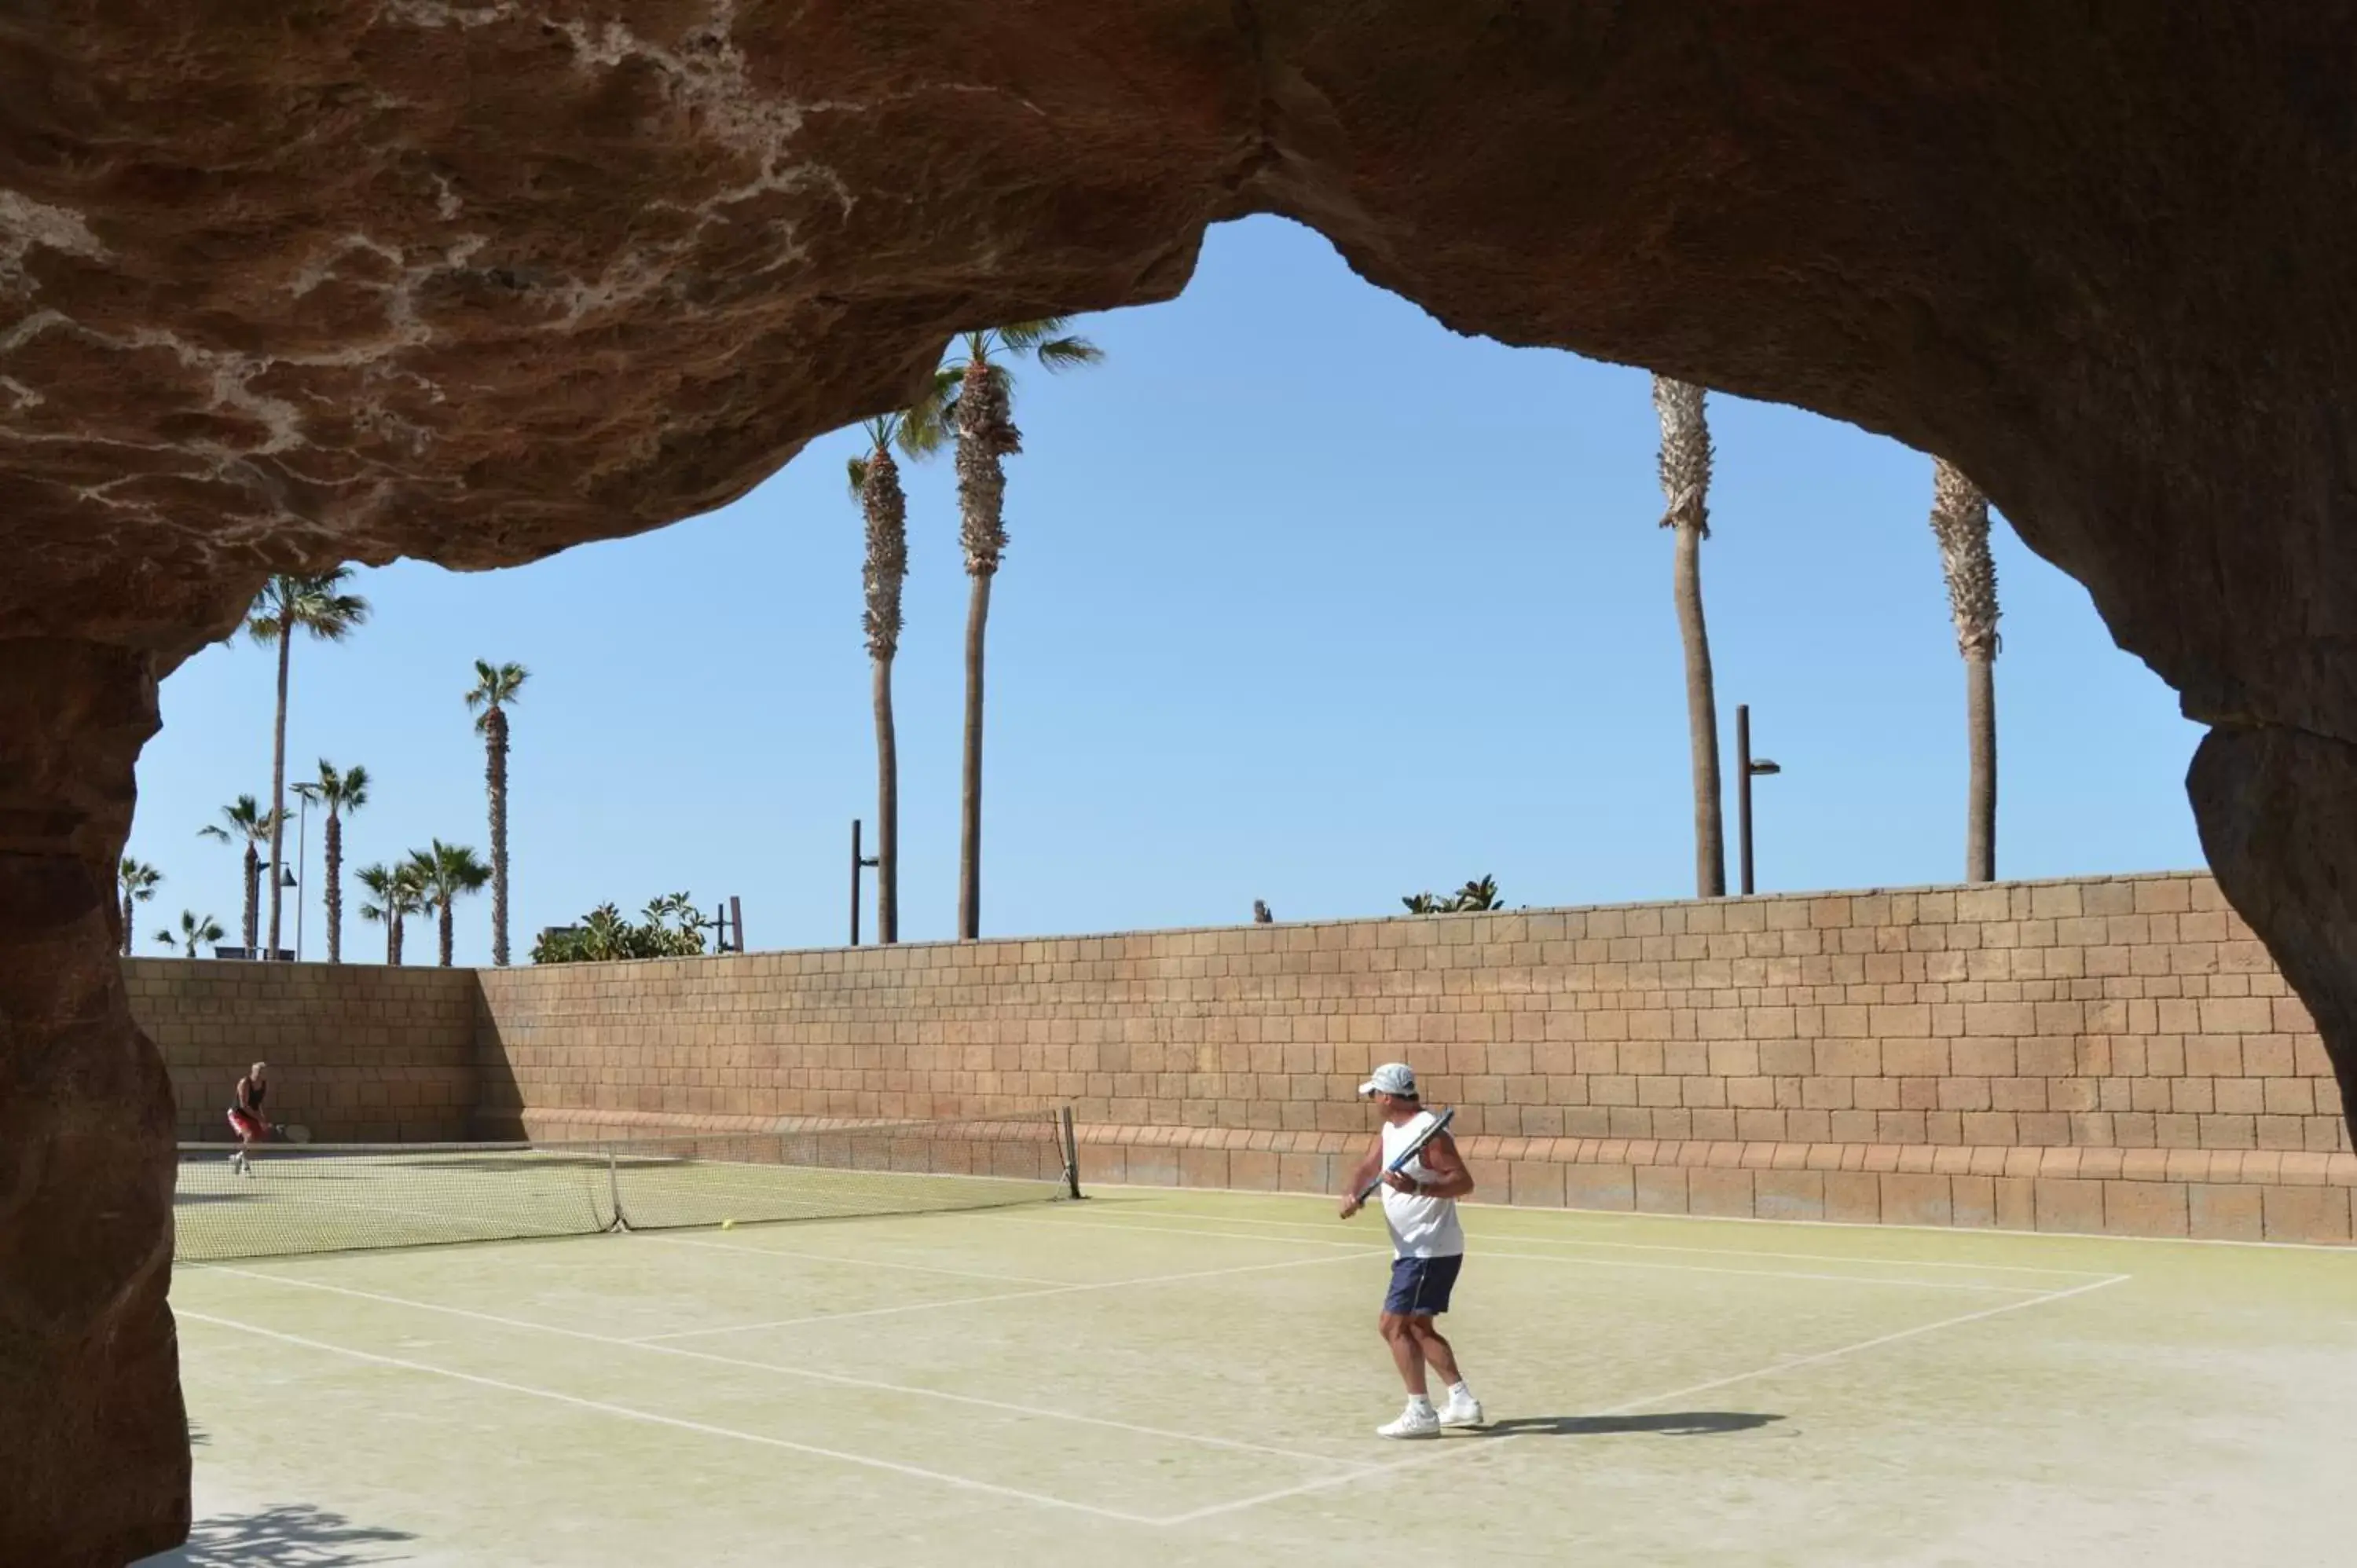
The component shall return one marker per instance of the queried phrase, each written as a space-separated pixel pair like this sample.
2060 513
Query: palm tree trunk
495 778
987 437
335 859
977 620
126 925
278 785
1960 523
253 897
392 940
1685 492
1702 719
1980 710
887 810
442 921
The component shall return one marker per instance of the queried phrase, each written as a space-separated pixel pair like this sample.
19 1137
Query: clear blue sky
1308 600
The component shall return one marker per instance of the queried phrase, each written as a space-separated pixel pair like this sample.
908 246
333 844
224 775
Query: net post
1072 1151
614 1186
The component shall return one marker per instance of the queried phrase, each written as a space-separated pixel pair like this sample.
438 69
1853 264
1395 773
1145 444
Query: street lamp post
857 866
277 870
1746 768
306 793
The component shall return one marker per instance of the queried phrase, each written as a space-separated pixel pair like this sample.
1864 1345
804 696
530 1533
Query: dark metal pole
1743 799
736 921
855 864
1071 1151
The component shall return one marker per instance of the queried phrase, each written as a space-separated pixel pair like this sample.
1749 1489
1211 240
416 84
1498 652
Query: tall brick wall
358 1053
2114 1054
2109 1054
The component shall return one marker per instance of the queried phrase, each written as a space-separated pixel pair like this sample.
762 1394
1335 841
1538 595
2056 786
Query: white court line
1456 1449
626 1413
856 1263
1487 1251
839 1379
1664 1246
1011 1295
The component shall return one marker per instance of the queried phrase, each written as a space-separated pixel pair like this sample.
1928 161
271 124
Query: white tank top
1420 1227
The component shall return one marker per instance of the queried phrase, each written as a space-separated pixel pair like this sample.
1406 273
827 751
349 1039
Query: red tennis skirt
246 1125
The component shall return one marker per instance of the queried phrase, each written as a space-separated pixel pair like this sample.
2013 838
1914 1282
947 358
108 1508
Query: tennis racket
1399 1162
296 1135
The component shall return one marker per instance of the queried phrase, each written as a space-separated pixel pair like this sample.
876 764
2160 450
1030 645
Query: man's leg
1419 1419
1407 1351
1432 1349
1460 1409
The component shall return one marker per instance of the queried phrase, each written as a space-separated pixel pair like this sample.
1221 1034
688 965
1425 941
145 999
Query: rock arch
474 282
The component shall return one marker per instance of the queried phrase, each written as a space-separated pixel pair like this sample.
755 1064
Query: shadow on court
1675 1423
290 1535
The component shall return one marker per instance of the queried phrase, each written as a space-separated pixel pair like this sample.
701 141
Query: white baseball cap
1392 1078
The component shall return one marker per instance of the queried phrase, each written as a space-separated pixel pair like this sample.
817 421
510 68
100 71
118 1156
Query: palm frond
926 424
1025 337
1068 353
495 687
856 473
306 602
343 791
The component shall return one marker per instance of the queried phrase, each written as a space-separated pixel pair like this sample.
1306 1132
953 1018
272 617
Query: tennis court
1150 1376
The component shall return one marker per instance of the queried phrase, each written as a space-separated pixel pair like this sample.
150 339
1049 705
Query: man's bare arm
1440 1157
1361 1174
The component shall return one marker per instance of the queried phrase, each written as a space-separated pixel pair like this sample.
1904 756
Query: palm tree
972 396
137 881
289 603
342 793
194 932
1960 522
492 691
444 874
1686 487
257 827
395 897
876 482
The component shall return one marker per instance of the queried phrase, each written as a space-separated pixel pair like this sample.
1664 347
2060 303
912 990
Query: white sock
1458 1393
1419 1403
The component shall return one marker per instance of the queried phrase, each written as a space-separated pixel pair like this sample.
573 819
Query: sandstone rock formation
473 280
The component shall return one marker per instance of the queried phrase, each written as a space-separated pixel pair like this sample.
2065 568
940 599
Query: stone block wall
359 1053
2112 1055
2106 1055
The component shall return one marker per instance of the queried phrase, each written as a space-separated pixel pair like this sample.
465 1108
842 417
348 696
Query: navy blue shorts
1421 1285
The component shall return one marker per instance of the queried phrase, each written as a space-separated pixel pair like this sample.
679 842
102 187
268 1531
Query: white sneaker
1413 1422
1461 1412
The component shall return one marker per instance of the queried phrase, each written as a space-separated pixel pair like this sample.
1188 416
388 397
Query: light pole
306 793
857 865
285 879
1746 768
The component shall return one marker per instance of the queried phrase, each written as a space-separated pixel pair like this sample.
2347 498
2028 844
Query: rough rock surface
474 280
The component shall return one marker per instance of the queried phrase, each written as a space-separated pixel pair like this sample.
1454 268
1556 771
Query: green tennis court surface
1159 1377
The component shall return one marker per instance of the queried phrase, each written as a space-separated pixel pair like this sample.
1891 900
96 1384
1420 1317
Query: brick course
358 1053
2114 1054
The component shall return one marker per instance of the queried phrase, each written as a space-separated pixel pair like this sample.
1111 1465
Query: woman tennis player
1427 1249
245 1118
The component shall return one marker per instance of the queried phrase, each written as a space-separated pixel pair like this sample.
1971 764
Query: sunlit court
994 1371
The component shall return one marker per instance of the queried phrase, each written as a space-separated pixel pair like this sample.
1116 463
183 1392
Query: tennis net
328 1197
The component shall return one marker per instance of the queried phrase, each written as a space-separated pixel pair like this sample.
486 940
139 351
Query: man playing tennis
1427 1249
245 1118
